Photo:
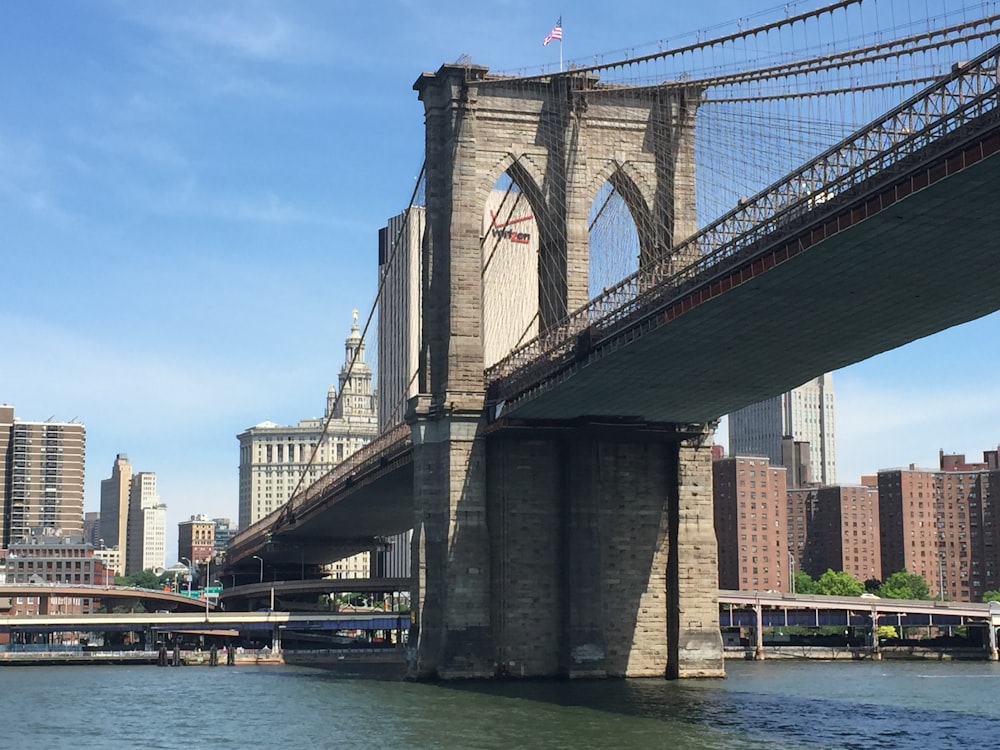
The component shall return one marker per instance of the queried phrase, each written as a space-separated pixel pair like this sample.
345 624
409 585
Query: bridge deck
921 266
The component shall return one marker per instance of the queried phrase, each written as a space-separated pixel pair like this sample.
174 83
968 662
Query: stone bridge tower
521 539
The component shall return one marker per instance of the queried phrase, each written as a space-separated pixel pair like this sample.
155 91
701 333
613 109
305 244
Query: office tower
750 524
510 274
145 547
399 319
114 507
41 476
224 529
773 427
277 460
92 528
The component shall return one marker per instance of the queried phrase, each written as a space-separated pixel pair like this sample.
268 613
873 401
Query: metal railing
969 93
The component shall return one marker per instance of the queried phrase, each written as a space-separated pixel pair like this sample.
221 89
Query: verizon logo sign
506 230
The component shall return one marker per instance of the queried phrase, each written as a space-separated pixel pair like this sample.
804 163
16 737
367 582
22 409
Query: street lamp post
941 576
791 571
189 564
208 578
255 557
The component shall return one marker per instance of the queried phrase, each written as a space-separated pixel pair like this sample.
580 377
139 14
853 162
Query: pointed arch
631 184
511 237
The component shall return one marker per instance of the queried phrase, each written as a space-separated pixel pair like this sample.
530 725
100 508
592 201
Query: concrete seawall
842 653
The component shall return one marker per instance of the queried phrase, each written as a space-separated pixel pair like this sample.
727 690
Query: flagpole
560 46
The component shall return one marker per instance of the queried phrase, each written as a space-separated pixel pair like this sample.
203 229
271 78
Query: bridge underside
923 265
356 521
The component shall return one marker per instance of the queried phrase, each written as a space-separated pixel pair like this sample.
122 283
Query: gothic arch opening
618 235
509 243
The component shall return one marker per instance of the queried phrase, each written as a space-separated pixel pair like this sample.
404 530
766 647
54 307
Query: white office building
146 546
399 319
510 274
802 415
276 460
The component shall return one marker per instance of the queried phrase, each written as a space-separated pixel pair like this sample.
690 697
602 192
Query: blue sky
189 199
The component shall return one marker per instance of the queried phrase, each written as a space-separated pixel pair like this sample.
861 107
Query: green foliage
145 579
991 596
887 631
872 585
839 583
904 585
804 584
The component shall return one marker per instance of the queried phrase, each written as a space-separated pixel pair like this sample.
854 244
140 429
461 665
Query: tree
839 583
872 585
887 631
904 585
145 579
804 584
991 596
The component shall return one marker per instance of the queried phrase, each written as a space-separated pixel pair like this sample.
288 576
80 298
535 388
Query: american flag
555 34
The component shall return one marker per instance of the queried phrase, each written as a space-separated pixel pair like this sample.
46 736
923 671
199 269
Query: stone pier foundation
592 556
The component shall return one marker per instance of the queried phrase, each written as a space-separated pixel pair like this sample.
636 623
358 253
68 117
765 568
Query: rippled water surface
760 705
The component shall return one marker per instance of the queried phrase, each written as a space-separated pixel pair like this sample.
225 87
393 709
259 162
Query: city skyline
199 183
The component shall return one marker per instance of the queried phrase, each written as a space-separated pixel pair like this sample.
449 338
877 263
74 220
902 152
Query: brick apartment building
750 500
835 528
942 524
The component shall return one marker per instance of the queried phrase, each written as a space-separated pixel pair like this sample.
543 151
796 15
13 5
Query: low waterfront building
49 557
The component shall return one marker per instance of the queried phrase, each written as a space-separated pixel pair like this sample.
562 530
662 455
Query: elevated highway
176 621
151 598
757 610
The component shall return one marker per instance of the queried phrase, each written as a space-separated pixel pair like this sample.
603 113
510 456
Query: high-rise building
114 507
146 545
774 426
750 524
196 539
944 525
92 528
835 528
399 317
41 476
224 528
399 323
510 274
277 460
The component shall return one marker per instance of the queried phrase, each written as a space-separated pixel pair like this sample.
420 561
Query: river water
760 705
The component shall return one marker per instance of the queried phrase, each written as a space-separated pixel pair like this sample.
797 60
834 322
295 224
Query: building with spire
276 461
